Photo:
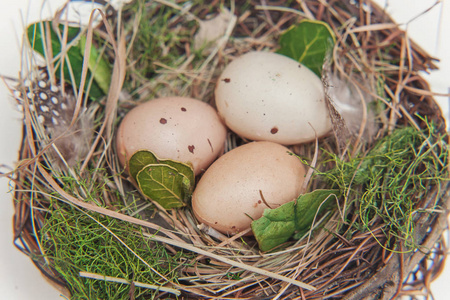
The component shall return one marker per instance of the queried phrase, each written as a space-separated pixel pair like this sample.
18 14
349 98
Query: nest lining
96 197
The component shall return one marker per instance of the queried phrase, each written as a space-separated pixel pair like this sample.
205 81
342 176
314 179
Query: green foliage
391 180
158 40
76 241
168 182
293 219
163 184
86 184
99 69
98 66
308 43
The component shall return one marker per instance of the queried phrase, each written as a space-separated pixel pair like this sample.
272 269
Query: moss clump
391 180
77 241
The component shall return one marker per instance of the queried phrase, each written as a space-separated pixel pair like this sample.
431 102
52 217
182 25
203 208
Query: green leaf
293 219
184 169
181 187
142 158
308 43
73 63
98 66
162 184
139 160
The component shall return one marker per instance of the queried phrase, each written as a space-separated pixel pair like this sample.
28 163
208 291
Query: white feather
353 104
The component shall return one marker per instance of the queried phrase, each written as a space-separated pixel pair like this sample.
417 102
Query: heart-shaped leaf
162 184
184 169
153 178
139 160
308 43
142 158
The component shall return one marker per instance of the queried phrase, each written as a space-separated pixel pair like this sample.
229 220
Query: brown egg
243 182
177 128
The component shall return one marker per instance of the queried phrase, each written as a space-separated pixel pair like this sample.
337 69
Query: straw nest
93 236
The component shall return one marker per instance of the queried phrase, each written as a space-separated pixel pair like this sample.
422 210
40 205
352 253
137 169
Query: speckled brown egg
178 128
239 185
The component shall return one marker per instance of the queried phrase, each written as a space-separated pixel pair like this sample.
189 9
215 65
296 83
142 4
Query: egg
240 184
271 97
178 128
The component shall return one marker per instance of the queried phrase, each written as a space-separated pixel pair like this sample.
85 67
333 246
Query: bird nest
93 234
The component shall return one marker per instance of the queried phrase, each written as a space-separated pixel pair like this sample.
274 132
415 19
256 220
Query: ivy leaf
37 34
142 158
186 170
177 193
162 184
308 43
139 160
293 219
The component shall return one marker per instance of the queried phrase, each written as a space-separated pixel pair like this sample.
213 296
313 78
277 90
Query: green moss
76 241
390 181
161 34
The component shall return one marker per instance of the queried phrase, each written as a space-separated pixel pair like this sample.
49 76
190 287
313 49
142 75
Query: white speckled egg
239 185
177 128
271 97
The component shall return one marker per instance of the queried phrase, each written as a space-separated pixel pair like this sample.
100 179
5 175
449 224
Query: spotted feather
54 111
